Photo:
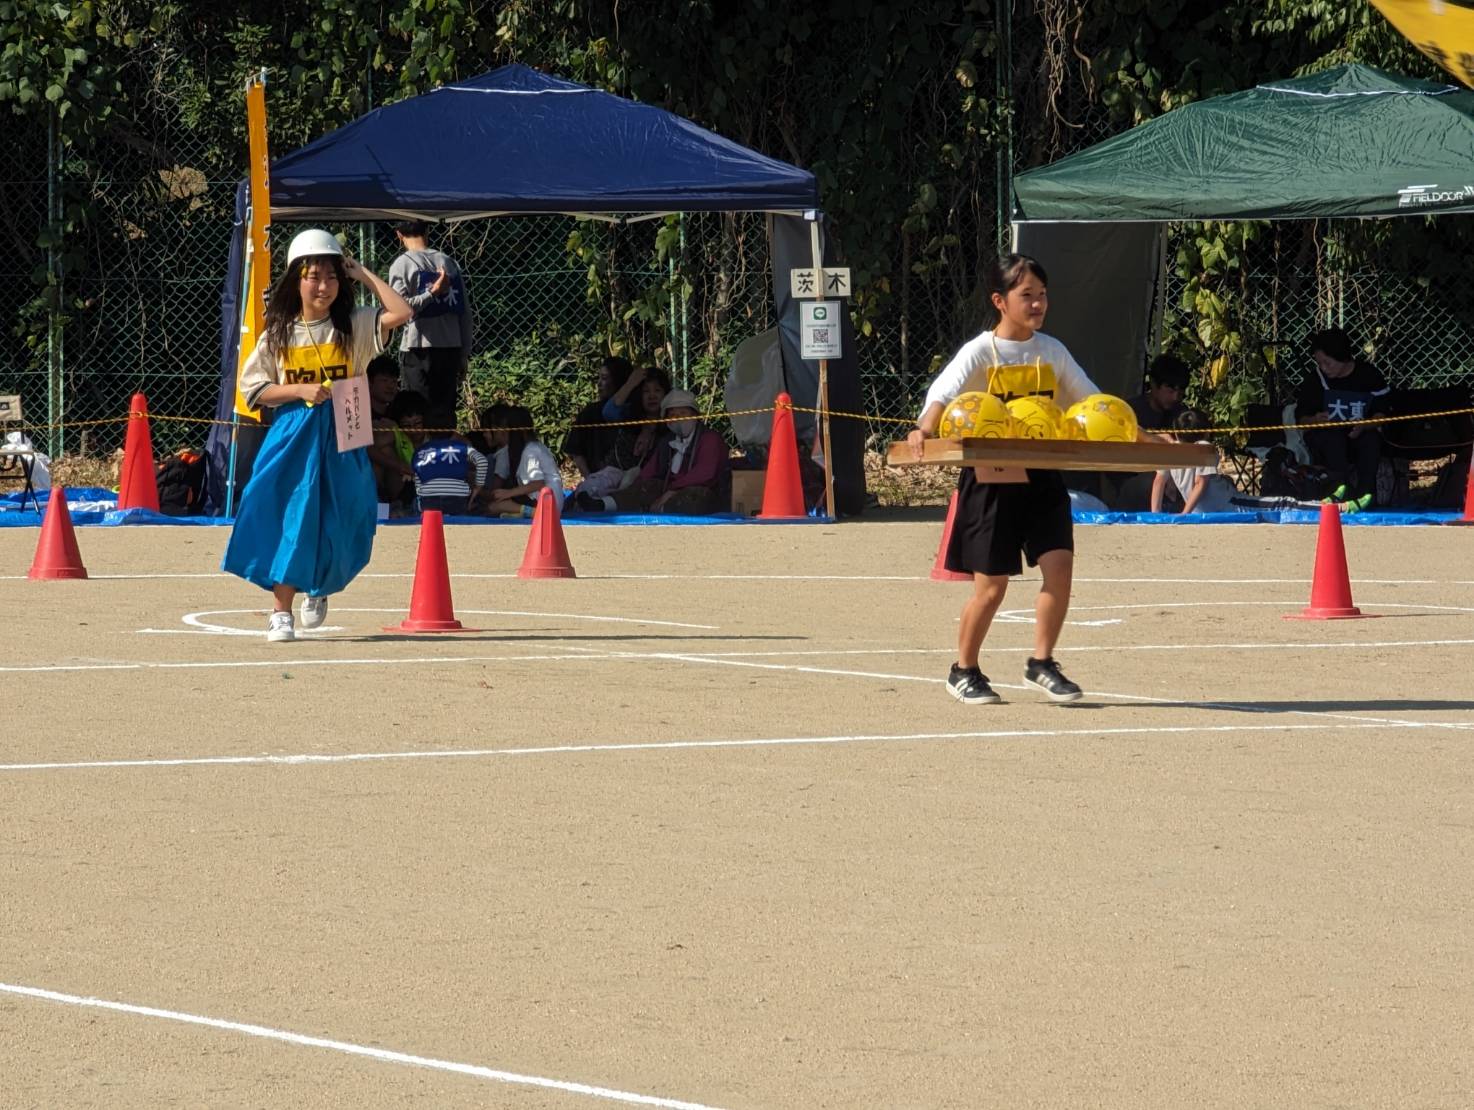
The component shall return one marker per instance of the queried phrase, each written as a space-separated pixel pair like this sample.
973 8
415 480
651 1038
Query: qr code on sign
820 335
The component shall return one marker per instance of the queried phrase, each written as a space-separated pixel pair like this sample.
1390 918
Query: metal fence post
55 398
685 311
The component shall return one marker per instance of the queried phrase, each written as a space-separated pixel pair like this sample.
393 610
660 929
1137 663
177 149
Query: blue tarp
11 517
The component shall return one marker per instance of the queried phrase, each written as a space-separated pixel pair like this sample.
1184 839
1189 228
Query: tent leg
235 423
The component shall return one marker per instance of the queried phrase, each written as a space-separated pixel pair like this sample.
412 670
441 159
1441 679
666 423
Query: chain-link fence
142 277
1418 331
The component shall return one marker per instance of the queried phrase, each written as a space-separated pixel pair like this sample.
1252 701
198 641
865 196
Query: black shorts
997 523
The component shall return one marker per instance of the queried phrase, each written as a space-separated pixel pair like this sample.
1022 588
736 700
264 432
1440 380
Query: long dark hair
284 303
1008 272
516 421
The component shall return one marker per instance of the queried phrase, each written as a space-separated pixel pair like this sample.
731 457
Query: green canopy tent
1351 141
1348 142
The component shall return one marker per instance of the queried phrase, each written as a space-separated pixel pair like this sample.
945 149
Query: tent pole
1004 91
235 423
670 318
823 377
685 310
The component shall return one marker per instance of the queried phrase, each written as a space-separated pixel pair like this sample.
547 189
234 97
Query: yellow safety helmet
1036 418
1102 419
977 416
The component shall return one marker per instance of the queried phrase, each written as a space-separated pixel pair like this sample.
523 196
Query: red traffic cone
547 553
137 487
430 608
939 571
783 490
56 554
1330 589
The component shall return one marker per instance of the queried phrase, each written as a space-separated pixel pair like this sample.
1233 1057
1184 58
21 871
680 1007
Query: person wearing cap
306 518
689 473
436 345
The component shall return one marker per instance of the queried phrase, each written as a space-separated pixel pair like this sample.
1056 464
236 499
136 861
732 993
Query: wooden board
1056 454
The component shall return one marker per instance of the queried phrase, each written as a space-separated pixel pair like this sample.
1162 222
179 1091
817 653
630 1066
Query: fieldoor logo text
1419 196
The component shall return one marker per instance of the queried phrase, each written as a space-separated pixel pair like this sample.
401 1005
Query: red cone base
56 553
547 552
1330 590
1468 517
783 489
430 608
939 571
138 487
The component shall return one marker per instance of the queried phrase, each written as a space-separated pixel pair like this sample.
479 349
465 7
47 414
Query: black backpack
181 482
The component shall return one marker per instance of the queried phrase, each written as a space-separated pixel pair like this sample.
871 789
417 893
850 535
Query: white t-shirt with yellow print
312 355
1010 368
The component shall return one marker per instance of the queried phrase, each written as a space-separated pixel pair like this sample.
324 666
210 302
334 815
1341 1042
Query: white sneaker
280 628
314 612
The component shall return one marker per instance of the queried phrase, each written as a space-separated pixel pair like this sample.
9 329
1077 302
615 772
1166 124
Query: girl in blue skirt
306 519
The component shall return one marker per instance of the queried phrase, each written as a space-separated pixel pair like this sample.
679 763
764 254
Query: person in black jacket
1340 392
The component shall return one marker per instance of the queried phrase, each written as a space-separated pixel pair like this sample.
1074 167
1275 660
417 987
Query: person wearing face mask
689 473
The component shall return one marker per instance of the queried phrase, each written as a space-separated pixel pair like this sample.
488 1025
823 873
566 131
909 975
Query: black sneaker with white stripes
970 686
1046 675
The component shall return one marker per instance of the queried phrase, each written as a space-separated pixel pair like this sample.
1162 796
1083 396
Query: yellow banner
1441 29
258 254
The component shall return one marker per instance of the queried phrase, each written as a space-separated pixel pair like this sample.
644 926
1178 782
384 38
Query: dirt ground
702 828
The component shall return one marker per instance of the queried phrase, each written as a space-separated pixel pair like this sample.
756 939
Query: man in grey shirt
436 344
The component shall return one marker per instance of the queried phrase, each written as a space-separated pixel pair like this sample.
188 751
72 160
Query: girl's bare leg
977 615
1058 569
284 596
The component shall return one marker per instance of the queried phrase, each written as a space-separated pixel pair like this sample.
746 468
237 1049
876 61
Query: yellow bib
1011 381
314 364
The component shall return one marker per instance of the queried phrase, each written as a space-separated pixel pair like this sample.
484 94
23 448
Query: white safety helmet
312 243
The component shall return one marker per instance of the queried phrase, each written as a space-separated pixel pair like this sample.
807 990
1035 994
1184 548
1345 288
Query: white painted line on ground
1026 616
1073 649
1256 581
403 575
282 657
197 620
382 1054
701 658
676 745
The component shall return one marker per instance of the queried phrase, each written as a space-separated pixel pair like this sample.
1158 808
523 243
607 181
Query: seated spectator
1155 407
391 451
406 413
689 472
521 466
1343 387
1202 488
1159 402
588 442
633 443
447 468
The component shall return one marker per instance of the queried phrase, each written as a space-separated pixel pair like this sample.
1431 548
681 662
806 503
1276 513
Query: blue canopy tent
517 142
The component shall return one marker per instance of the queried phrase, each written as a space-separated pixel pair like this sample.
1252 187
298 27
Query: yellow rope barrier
868 417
